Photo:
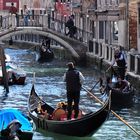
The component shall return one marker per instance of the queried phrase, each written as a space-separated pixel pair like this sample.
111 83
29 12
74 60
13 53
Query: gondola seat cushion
64 116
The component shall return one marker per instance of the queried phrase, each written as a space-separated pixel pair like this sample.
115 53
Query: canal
49 85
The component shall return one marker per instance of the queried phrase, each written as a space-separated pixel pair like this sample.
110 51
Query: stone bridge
76 48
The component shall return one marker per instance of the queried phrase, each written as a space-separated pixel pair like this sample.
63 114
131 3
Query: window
139 20
101 29
92 28
115 30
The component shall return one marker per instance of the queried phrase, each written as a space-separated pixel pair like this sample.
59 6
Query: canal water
49 86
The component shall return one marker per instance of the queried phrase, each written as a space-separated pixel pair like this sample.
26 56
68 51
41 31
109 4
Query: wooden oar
108 69
115 114
94 85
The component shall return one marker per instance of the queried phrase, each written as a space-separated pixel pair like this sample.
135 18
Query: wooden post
4 73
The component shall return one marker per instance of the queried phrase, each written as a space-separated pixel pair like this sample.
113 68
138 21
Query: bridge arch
39 31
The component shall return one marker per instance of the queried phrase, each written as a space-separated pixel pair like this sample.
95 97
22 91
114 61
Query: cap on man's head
70 64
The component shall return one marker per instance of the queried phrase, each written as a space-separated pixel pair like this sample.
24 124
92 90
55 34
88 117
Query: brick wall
133 13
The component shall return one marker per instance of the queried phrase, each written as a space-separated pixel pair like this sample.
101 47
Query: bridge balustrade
5 22
45 21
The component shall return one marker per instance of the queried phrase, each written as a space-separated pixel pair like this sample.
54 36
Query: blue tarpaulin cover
8 115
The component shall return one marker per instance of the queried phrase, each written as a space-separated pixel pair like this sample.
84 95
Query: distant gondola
45 55
121 98
15 74
86 125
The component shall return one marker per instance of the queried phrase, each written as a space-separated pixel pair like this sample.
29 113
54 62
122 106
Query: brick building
113 22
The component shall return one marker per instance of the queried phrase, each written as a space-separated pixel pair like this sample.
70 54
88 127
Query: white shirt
120 58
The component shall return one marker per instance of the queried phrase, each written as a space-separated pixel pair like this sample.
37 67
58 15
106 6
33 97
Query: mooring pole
4 73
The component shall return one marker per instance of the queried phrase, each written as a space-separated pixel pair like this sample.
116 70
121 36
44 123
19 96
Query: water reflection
54 136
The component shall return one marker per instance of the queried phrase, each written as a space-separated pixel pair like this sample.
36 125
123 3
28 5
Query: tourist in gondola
42 113
48 44
74 80
108 86
43 46
121 85
119 58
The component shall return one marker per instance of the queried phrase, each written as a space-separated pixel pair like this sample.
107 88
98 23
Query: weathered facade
133 16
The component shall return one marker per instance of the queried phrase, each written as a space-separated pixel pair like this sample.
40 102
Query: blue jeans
26 20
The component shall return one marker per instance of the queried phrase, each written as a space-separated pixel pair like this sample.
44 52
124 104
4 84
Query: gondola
86 125
9 117
45 55
121 98
15 74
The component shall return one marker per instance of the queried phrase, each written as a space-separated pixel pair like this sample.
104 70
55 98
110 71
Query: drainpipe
127 26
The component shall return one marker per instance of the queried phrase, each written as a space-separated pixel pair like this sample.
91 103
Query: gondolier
121 63
74 80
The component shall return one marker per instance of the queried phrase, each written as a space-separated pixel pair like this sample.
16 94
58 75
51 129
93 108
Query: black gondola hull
119 98
46 56
86 125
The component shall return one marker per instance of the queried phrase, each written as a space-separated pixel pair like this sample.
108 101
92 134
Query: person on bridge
74 80
122 85
70 24
26 15
13 9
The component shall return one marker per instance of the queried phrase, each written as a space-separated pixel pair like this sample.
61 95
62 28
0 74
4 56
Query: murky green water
49 85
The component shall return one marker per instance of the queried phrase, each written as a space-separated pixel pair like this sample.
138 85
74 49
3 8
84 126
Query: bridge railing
45 21
5 22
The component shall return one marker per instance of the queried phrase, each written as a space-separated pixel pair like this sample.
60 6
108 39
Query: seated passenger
59 111
107 87
42 113
121 85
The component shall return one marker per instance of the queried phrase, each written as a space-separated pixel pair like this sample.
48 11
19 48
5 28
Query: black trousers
121 72
73 97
